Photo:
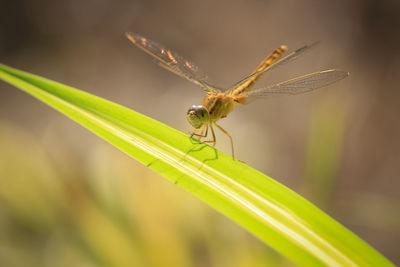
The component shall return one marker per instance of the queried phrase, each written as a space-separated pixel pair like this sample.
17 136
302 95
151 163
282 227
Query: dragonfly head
197 116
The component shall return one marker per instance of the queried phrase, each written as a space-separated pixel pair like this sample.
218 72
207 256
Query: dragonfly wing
202 83
172 61
294 55
301 84
290 57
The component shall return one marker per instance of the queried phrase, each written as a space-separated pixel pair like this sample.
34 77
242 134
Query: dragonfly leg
230 137
214 140
201 133
205 135
194 132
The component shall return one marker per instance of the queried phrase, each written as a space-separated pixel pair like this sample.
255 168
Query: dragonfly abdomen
247 84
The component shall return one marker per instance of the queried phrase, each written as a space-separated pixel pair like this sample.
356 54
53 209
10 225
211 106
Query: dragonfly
218 103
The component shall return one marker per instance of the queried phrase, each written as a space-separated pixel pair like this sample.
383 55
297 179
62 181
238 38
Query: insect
218 103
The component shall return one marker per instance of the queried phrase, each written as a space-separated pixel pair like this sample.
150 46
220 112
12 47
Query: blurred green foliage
107 211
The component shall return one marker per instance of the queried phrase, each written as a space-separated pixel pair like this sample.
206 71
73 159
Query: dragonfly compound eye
197 116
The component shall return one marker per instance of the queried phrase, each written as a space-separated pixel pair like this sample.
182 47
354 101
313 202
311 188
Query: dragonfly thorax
198 116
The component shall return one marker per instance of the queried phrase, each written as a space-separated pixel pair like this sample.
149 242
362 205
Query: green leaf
275 214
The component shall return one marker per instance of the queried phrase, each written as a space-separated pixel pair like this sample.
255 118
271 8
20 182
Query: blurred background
68 198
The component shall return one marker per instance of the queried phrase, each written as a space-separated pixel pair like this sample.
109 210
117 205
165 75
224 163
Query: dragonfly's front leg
201 132
213 141
194 132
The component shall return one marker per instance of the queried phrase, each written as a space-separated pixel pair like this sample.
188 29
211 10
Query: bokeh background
68 198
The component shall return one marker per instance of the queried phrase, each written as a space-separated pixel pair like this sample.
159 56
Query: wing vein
301 84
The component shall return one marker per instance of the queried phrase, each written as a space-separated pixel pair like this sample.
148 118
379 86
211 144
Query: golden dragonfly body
217 103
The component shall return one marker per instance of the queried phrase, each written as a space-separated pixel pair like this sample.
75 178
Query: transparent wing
290 57
172 61
293 55
301 84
